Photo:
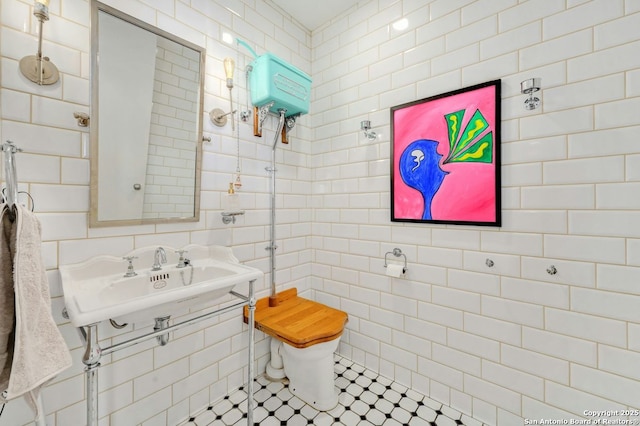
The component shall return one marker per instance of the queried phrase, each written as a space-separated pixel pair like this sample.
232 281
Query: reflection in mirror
146 122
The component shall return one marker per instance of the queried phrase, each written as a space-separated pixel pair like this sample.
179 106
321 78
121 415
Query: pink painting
445 153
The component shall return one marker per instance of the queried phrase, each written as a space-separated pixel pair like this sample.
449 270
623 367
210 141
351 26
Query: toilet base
328 403
311 373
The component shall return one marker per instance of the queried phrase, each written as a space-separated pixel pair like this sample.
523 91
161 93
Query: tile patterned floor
366 399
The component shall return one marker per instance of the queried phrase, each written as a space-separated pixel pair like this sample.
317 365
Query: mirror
146 122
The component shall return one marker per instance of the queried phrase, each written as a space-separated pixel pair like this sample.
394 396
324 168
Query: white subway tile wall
500 344
169 189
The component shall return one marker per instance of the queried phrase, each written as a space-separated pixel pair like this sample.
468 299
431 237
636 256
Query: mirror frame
94 221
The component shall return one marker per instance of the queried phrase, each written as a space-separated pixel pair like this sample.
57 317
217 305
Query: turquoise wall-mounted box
274 80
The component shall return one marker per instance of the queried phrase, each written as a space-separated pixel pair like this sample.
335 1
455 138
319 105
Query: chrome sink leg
251 321
91 359
161 324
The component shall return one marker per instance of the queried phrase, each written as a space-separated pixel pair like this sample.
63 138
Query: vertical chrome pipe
252 334
11 176
162 323
272 228
39 54
272 247
91 359
233 112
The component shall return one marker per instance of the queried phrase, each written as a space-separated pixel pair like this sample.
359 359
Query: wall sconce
528 87
365 125
218 116
36 67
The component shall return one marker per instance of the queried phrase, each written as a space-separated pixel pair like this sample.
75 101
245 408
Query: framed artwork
445 158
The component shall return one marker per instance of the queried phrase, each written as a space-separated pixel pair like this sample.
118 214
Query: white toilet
305 334
310 372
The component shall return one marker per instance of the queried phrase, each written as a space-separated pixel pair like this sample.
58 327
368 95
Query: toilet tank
273 79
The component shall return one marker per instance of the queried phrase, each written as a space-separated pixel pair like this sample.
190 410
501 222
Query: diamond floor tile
365 399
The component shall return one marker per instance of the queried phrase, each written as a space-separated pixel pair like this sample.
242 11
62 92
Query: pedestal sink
98 290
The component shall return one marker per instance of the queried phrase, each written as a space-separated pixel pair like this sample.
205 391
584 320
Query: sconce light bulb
229 67
45 3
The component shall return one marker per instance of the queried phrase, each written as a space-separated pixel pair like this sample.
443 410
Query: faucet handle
182 261
130 272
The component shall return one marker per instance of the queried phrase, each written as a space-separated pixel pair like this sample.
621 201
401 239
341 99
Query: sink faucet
159 258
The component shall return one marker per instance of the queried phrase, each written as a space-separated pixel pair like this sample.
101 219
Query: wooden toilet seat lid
297 321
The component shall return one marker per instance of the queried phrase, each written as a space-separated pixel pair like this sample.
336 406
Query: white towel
32 350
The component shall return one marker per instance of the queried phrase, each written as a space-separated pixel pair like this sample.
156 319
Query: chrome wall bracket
260 114
289 124
162 323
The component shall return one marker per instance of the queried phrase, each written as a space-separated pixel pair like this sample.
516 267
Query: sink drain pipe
118 326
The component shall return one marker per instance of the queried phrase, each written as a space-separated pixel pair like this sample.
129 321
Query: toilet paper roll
395 271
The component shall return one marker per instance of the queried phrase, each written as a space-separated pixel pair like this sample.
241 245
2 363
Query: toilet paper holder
397 253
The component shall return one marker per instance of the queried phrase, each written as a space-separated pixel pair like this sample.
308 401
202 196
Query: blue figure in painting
420 169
